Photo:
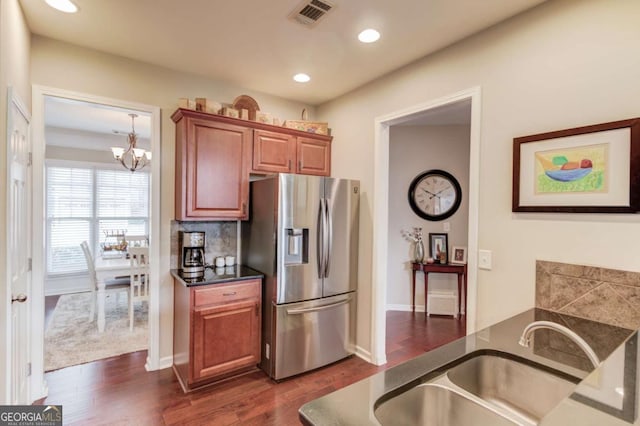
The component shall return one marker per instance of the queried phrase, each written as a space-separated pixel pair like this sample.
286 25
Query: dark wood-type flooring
119 391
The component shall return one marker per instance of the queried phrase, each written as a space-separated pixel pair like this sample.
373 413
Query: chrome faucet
525 339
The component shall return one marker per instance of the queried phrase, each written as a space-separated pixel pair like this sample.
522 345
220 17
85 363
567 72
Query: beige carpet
70 338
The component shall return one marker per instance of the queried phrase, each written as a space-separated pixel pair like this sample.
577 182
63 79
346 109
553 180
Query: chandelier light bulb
117 152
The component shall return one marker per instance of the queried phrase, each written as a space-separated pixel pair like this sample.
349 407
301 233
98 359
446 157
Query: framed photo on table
458 255
438 247
590 169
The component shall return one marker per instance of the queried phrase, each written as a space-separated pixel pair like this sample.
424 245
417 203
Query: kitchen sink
483 389
516 387
431 404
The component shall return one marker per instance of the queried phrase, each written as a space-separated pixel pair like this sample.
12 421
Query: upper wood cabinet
275 152
314 157
216 154
212 167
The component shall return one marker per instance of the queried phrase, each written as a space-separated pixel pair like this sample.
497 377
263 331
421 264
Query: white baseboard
165 362
407 308
364 354
40 392
66 285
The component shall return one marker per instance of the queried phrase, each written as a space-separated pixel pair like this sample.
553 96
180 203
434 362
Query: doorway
381 245
91 198
432 142
51 156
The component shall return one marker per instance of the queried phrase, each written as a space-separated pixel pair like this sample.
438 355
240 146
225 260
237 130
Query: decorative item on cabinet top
246 108
248 103
317 127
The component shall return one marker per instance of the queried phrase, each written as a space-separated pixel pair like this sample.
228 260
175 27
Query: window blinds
82 203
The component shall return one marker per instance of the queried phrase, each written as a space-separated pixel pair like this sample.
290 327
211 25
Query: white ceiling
79 115
78 124
252 44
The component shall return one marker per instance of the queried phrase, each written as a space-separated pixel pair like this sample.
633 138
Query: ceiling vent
309 13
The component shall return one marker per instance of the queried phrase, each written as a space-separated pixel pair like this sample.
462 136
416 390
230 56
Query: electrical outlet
447 227
484 259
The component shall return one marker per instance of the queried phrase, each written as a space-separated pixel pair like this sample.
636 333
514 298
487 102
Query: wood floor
118 391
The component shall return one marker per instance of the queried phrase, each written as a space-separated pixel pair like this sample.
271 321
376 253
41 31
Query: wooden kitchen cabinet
215 156
216 331
275 152
314 156
212 167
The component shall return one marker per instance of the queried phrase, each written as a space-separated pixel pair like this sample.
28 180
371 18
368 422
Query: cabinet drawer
222 293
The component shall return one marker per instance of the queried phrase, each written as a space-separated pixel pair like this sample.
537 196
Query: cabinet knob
289 165
244 208
231 293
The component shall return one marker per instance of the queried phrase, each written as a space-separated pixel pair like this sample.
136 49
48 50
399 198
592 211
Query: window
82 202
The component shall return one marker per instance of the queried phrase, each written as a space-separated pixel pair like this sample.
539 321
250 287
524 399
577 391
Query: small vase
418 252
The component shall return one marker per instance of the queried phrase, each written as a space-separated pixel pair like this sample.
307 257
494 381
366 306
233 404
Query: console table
460 270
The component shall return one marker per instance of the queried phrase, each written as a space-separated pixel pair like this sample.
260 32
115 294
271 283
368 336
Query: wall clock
435 195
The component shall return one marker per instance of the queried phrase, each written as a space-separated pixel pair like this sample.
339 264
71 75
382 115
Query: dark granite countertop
218 275
354 404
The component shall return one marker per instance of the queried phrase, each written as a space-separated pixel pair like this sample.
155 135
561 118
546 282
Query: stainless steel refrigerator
302 234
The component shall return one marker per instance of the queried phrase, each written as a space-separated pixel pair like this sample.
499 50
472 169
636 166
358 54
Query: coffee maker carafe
192 254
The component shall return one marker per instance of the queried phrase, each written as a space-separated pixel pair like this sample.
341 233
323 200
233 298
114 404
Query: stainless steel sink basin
516 387
434 405
485 389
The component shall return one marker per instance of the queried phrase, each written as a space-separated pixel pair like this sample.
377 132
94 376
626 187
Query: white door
19 245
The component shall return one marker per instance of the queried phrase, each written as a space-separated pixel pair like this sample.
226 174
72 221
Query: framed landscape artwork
591 169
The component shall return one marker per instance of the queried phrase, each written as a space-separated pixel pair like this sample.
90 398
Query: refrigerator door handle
329 238
320 239
317 308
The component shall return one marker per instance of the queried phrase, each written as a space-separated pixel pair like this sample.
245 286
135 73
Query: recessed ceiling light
301 78
66 6
369 36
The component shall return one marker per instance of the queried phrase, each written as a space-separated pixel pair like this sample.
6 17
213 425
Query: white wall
81 145
65 66
14 72
413 150
563 64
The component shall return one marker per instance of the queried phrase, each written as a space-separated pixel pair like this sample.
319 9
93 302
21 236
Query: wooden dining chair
137 240
111 285
139 278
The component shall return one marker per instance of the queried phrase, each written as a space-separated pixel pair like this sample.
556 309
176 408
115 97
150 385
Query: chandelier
132 158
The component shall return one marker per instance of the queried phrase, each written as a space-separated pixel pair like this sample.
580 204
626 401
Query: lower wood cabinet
216 331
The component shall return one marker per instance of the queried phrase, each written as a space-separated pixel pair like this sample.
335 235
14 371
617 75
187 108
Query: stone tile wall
609 296
221 239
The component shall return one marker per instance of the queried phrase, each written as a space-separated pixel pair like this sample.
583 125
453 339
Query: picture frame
438 244
458 255
589 169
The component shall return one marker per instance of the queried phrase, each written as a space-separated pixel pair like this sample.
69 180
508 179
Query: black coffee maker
192 254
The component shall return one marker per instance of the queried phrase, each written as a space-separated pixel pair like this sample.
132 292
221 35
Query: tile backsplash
221 239
604 295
